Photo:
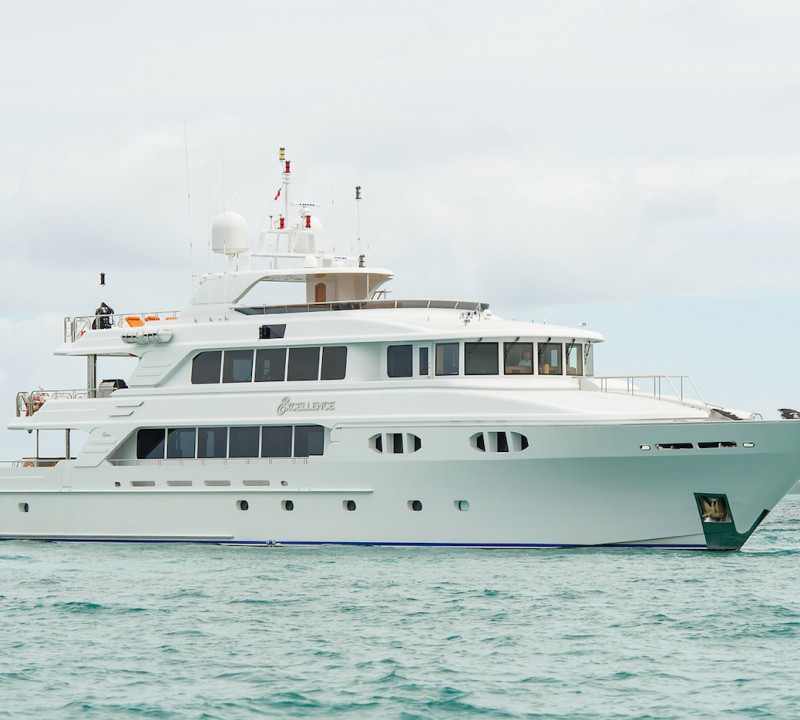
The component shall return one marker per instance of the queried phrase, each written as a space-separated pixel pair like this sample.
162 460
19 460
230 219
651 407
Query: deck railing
678 388
75 327
28 402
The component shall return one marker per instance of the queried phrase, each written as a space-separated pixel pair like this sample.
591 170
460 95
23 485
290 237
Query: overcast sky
632 165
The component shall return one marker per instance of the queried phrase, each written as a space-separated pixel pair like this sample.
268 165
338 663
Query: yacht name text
288 406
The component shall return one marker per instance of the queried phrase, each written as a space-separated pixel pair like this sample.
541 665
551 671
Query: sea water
181 631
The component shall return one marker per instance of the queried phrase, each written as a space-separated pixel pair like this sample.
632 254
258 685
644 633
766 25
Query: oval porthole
349 505
24 507
748 444
462 505
287 505
644 447
242 504
414 505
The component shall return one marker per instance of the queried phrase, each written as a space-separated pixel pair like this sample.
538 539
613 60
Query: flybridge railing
467 306
31 401
75 327
679 388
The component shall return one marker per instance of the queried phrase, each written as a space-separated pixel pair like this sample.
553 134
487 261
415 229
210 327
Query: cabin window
550 358
308 440
270 365
181 442
574 358
276 441
150 444
244 442
518 358
399 361
238 366
212 442
303 363
480 358
206 367
447 358
423 361
334 362
268 332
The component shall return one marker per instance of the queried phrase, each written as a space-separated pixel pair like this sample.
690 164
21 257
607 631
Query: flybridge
467 306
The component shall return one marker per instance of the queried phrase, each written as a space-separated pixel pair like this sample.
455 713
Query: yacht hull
574 485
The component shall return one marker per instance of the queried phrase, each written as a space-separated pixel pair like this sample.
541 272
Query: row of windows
234 442
395 443
269 365
485 358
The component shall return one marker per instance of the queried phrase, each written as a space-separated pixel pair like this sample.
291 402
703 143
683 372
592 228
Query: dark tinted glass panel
212 442
206 367
308 440
270 365
399 361
150 444
238 366
180 442
447 359
480 358
276 441
518 358
397 443
334 363
303 363
244 442
423 361
268 332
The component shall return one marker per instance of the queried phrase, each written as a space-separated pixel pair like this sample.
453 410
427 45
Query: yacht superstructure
353 418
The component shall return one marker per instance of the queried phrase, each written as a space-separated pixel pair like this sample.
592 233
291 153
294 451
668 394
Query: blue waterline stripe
284 543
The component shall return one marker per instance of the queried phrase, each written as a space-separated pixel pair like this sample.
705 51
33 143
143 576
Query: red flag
277 195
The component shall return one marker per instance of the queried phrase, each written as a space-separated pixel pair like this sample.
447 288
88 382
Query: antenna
358 217
188 206
102 286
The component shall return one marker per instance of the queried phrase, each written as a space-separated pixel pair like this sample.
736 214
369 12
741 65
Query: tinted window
308 440
303 363
399 361
276 441
212 442
268 332
423 361
270 365
206 367
480 358
447 359
238 366
180 442
575 359
334 363
150 444
550 358
518 358
244 442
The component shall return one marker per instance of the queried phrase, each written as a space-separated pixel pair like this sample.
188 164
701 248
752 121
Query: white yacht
356 419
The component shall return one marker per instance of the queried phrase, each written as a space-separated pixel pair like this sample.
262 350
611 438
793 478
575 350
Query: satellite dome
229 234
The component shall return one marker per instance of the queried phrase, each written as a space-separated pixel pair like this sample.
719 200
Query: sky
631 165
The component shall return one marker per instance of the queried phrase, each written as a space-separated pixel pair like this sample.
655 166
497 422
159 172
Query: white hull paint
574 486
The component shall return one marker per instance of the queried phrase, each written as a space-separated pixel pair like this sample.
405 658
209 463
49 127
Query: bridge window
270 365
268 332
334 362
238 366
206 367
550 359
447 358
399 361
303 363
423 361
518 358
574 356
480 358
308 440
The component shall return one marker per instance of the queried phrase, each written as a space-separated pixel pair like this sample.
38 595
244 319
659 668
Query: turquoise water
168 631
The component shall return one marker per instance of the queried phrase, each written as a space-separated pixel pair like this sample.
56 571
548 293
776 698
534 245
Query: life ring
37 400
